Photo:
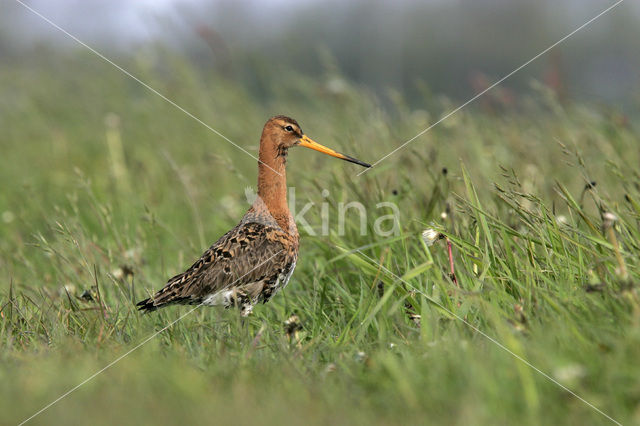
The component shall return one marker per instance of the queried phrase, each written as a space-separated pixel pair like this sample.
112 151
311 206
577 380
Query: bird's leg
244 303
246 309
244 325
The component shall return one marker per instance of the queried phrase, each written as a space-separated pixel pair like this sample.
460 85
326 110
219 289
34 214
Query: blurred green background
108 190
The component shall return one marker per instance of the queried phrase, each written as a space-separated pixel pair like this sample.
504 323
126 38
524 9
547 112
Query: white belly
221 298
226 296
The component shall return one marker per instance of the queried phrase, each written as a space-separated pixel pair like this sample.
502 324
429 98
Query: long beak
310 143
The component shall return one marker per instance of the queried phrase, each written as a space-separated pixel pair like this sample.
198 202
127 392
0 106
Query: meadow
108 190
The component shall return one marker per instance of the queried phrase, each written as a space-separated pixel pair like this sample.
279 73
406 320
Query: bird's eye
289 129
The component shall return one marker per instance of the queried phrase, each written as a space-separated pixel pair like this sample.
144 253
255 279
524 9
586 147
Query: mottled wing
249 253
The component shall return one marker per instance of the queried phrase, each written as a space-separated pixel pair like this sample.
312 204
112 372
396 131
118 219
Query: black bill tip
356 161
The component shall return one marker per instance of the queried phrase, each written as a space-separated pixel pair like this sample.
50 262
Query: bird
255 259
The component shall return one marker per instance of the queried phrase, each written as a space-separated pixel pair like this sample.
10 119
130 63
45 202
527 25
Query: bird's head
285 132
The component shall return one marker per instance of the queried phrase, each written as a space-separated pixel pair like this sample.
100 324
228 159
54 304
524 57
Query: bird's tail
147 305
168 295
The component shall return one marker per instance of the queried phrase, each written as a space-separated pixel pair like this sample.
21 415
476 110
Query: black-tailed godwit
251 262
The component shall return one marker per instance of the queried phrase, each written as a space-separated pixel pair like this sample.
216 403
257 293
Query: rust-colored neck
272 179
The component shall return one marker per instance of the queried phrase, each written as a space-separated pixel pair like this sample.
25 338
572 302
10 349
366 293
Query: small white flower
430 236
561 220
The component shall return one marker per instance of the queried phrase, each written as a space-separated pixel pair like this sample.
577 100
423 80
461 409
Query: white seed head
117 273
67 289
430 236
608 219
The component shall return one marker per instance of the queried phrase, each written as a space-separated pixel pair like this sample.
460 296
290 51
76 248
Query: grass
108 191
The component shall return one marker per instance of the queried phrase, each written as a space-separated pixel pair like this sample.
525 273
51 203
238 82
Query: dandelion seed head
117 273
430 236
608 219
